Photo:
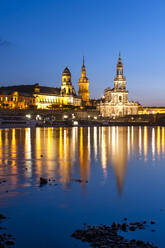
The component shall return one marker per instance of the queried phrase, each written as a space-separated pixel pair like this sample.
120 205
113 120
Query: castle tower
66 86
119 81
84 85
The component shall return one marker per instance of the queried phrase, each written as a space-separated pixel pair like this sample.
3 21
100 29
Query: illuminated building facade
48 97
11 98
115 101
41 97
151 110
84 85
67 92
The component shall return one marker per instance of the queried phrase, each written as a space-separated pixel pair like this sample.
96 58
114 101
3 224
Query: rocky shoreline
103 236
6 239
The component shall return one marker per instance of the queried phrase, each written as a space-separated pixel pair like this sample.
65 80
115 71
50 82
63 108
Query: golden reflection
113 139
13 144
89 140
132 136
104 151
1 147
61 143
28 151
38 147
119 154
145 143
81 145
65 162
95 141
74 143
117 135
50 146
153 143
13 153
158 141
163 140
38 142
128 140
67 152
64 169
140 141
84 156
7 136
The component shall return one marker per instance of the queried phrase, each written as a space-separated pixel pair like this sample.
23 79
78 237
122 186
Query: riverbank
100 123
81 124
70 118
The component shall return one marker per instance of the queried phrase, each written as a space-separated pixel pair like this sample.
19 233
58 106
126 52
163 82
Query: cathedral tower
115 102
66 86
84 85
120 94
119 81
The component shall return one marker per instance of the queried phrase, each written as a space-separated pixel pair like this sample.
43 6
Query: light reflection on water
63 150
124 167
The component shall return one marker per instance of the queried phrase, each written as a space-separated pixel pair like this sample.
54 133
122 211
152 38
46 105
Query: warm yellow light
28 116
75 123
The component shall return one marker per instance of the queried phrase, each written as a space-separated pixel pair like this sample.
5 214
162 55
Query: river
97 175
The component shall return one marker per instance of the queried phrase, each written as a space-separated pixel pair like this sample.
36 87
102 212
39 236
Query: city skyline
38 40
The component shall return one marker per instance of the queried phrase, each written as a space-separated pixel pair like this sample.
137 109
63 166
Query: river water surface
122 172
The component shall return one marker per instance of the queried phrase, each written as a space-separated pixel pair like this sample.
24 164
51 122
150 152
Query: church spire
83 62
84 84
119 66
83 71
119 80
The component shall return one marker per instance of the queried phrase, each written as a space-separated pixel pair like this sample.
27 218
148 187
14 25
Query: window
120 98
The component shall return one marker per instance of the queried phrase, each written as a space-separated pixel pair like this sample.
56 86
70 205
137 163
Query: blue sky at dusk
38 39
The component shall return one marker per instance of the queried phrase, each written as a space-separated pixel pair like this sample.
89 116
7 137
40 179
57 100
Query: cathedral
115 101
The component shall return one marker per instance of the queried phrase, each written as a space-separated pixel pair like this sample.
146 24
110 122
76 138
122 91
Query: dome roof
66 72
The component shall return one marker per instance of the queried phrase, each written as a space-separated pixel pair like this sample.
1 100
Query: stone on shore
43 181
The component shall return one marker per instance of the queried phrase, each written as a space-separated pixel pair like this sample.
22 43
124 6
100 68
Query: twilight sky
39 38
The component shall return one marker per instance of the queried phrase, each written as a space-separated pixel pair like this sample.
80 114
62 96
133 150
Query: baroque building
12 99
84 85
48 97
115 101
40 97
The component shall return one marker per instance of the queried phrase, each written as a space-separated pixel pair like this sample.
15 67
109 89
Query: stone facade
115 101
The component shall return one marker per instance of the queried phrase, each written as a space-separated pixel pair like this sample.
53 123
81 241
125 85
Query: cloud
5 43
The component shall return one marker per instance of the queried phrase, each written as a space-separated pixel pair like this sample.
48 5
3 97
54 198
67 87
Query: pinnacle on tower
119 59
83 61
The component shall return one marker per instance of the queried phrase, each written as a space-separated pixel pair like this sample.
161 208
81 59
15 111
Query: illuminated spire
119 81
83 61
119 59
83 84
83 67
